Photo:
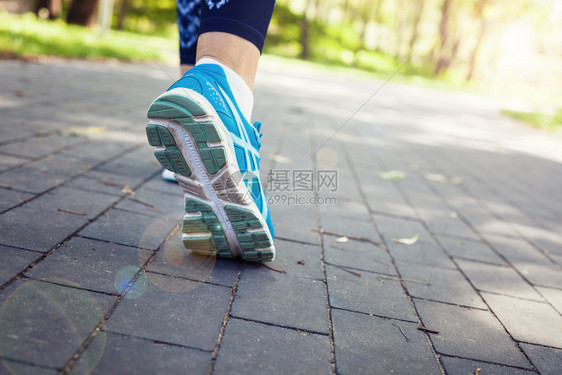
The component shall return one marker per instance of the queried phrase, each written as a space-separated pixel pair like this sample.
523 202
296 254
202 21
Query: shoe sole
221 219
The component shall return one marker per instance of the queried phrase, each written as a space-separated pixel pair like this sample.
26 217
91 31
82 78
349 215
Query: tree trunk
82 12
399 31
53 6
305 31
479 11
443 35
304 37
122 15
476 50
415 31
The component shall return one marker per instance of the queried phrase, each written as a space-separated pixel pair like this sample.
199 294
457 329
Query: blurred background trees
456 40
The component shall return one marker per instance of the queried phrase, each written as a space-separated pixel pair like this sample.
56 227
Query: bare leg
231 50
184 68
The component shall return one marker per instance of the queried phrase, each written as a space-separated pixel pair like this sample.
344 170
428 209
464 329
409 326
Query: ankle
232 51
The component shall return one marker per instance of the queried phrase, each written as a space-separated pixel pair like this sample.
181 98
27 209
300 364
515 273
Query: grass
27 37
552 123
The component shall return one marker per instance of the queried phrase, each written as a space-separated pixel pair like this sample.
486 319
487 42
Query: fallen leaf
86 166
301 262
477 372
456 180
407 241
127 190
280 159
341 239
96 129
392 175
435 177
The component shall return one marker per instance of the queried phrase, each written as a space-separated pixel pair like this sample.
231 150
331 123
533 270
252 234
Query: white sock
242 93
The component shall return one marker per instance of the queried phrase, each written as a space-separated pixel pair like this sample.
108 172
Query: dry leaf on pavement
392 175
407 241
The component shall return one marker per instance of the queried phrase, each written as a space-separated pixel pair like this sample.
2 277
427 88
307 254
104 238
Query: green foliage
337 44
542 121
155 17
28 36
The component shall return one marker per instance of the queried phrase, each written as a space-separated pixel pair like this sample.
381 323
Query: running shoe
200 134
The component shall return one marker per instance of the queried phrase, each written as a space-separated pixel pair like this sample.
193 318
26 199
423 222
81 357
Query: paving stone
527 321
343 216
368 294
424 252
7 161
463 332
547 360
357 254
434 212
176 311
298 259
10 198
131 354
267 296
346 184
94 265
39 146
459 366
469 249
353 227
98 150
371 345
160 185
472 209
445 285
39 224
498 279
131 229
107 183
153 203
546 240
8 367
255 348
175 260
139 163
31 180
44 323
383 196
529 261
34 229
14 261
77 200
61 164
295 223
554 296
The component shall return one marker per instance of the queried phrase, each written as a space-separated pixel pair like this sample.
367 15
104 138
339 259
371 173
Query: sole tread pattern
242 220
181 110
205 233
171 157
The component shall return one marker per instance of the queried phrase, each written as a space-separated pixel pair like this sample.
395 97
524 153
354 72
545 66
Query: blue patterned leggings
248 19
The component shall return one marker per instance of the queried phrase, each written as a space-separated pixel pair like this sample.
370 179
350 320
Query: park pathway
418 232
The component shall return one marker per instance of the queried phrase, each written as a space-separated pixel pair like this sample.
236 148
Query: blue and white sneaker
200 134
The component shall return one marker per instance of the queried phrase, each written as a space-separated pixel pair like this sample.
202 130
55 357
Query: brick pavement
93 279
